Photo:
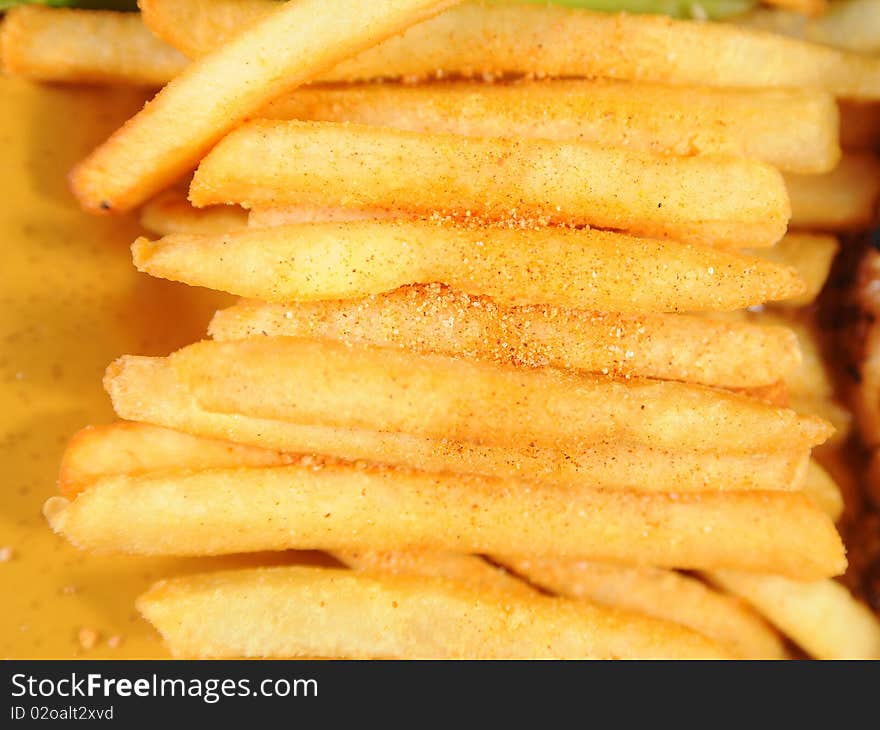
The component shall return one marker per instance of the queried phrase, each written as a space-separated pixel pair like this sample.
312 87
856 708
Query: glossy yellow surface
70 302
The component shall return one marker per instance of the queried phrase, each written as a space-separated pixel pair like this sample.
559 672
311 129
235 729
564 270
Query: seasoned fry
822 617
338 506
328 383
147 389
669 347
704 199
794 130
775 394
136 448
459 567
810 386
170 212
823 490
272 55
660 593
284 612
85 46
294 215
844 199
828 409
587 269
812 377
549 41
811 254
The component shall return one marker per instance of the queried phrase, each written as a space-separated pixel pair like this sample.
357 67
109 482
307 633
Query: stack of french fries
502 348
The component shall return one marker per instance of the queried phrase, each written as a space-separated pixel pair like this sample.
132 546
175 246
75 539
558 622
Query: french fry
810 386
459 567
170 212
337 506
476 39
295 215
774 394
794 130
136 448
147 389
812 377
859 126
85 46
811 254
587 269
327 383
828 409
284 612
704 199
272 55
668 347
844 199
823 490
663 594
822 617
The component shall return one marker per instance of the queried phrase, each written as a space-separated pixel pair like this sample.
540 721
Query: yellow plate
71 303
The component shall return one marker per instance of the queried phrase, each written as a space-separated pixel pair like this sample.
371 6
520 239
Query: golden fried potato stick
137 448
474 39
823 490
810 385
794 130
822 617
711 199
85 46
286 612
272 55
586 269
147 389
811 254
844 199
830 410
170 212
434 318
340 506
812 376
774 394
664 594
294 215
460 567
328 383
